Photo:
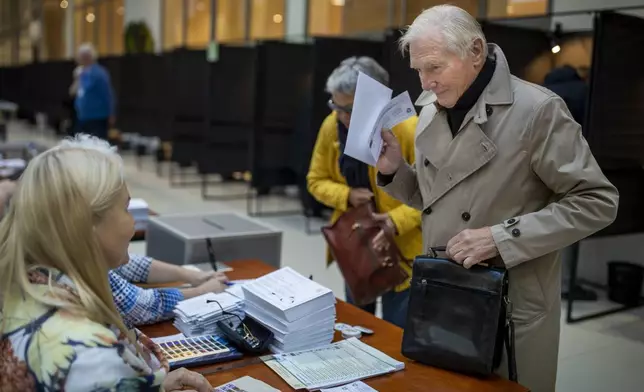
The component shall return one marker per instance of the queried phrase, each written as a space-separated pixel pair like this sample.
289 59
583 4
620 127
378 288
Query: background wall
584 22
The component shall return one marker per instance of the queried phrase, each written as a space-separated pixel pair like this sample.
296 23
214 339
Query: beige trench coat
519 165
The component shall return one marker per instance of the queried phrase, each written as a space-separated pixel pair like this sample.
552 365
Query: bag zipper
425 283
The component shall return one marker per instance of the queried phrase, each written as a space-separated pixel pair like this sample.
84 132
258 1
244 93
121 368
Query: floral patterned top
48 349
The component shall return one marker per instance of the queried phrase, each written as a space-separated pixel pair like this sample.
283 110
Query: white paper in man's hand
373 110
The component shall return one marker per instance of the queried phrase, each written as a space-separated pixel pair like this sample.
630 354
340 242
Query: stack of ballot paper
299 311
199 315
139 210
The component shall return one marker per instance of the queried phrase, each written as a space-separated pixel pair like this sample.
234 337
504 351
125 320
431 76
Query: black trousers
98 127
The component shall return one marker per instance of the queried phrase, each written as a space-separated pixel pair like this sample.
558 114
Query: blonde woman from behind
67 225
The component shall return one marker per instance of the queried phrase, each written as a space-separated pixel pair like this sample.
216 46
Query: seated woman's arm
140 306
144 269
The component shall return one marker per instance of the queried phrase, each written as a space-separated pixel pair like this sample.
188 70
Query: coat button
511 221
516 233
488 110
466 216
426 162
427 211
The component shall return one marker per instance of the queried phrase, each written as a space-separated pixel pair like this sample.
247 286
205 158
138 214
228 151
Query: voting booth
183 239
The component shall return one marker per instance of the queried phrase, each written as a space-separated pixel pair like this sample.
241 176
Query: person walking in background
94 97
342 182
70 102
502 174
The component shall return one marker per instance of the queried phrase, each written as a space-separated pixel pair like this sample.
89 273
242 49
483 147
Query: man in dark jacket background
566 83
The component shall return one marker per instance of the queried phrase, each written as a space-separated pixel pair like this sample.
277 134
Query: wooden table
387 338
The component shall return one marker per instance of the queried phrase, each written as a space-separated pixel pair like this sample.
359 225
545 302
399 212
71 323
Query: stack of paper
139 210
199 315
299 312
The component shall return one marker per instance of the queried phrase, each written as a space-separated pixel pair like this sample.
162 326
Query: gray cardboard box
181 239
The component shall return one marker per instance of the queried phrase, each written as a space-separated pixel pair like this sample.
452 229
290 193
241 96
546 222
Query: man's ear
478 52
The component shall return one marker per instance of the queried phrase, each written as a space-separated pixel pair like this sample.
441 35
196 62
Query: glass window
53 26
325 17
103 26
5 51
89 25
172 24
79 27
268 19
415 7
25 52
506 8
117 28
5 16
231 21
198 19
365 16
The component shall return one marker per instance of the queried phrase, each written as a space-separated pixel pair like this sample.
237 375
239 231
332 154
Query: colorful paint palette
192 348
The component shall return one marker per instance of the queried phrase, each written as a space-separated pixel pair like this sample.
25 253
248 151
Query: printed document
357 386
337 364
373 111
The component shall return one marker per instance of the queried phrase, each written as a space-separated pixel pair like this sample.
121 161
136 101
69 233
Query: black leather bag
459 319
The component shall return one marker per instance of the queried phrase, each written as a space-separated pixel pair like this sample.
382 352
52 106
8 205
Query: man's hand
182 379
471 247
391 156
359 196
380 240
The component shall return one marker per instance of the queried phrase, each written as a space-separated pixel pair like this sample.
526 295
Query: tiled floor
602 355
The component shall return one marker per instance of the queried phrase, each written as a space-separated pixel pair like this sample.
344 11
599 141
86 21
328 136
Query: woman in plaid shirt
139 306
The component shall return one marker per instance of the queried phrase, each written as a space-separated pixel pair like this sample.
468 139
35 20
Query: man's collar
497 92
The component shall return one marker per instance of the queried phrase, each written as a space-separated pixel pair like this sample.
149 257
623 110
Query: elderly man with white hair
502 175
94 96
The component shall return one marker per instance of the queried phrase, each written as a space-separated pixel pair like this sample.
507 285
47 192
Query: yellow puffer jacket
329 187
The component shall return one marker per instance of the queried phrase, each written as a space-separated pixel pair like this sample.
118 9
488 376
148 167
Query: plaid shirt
140 306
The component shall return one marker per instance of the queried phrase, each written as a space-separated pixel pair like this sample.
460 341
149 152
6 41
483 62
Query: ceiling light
64 4
277 18
339 3
90 17
556 49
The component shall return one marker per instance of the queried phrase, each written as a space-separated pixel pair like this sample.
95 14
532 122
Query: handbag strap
509 342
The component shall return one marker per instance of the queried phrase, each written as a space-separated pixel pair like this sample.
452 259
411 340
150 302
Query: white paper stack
140 211
299 311
199 315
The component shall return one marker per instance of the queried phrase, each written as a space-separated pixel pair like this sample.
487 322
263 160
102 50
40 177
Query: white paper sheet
245 384
373 110
341 363
357 386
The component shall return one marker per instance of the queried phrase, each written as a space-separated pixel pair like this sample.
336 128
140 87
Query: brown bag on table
368 273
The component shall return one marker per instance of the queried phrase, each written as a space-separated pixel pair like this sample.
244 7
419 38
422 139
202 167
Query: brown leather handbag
368 273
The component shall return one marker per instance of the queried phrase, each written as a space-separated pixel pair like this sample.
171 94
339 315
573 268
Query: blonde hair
459 29
62 194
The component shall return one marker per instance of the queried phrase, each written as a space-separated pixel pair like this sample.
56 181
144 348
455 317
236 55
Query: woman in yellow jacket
342 182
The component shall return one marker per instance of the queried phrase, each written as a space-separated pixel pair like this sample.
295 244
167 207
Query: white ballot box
182 239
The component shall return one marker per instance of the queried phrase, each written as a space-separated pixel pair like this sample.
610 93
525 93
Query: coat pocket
526 294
